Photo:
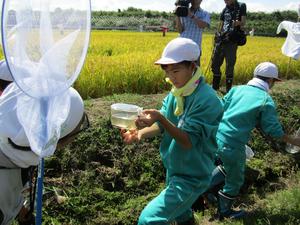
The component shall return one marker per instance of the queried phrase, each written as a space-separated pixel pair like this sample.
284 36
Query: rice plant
123 62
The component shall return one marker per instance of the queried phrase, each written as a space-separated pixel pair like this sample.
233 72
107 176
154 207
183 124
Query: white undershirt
259 83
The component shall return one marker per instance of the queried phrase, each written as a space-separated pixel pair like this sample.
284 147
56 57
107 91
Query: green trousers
173 203
234 160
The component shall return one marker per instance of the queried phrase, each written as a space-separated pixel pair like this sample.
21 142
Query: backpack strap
237 11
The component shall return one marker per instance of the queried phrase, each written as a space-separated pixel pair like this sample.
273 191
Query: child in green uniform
245 107
188 122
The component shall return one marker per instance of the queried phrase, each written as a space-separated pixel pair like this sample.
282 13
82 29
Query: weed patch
104 181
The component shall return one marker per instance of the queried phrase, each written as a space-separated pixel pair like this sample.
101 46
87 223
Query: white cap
179 50
266 69
4 71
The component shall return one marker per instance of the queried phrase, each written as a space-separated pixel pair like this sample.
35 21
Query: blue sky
209 5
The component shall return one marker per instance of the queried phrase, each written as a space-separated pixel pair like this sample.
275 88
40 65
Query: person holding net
16 157
39 111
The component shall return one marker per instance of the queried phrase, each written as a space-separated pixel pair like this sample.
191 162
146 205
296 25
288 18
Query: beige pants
11 198
5 162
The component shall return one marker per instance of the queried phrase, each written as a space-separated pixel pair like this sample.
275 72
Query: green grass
277 208
107 182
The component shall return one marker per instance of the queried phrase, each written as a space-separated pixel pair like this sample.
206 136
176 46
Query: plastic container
124 115
292 149
249 152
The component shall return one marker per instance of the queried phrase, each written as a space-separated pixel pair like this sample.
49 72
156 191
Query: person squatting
190 125
195 126
188 121
16 157
245 108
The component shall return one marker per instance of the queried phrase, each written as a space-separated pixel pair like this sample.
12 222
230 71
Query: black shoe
232 214
225 207
216 82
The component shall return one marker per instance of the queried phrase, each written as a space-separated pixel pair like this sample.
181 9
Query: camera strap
237 11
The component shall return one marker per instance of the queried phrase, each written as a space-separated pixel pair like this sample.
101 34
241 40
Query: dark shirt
232 12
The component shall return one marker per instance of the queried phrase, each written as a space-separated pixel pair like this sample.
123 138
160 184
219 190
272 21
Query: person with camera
190 22
229 36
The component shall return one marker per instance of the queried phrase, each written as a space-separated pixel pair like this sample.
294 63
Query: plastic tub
293 149
124 115
249 152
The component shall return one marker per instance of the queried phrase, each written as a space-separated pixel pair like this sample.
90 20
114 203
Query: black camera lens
182 8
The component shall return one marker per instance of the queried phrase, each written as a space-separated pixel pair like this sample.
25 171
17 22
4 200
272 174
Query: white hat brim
166 61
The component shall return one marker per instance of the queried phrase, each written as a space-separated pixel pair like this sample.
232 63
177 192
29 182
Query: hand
236 23
191 14
130 136
147 118
291 139
296 141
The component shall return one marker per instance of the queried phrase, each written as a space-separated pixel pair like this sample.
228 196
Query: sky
209 5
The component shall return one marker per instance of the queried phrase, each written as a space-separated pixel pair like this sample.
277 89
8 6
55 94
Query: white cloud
159 5
213 5
141 4
253 7
291 6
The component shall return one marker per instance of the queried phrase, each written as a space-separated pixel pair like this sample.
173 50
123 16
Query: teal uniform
245 107
188 170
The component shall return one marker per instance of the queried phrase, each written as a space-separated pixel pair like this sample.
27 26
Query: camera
182 7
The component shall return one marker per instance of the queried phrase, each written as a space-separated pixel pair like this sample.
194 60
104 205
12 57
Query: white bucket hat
179 50
266 69
11 127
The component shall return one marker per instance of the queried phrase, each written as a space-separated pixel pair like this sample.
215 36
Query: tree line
265 24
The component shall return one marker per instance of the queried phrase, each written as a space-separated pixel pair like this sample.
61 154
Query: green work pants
234 160
173 203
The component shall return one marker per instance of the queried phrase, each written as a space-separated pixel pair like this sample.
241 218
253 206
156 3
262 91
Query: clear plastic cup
292 148
124 115
249 152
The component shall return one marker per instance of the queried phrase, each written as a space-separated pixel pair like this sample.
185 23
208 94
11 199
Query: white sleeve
284 25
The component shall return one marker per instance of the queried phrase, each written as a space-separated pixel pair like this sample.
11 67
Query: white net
45 43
